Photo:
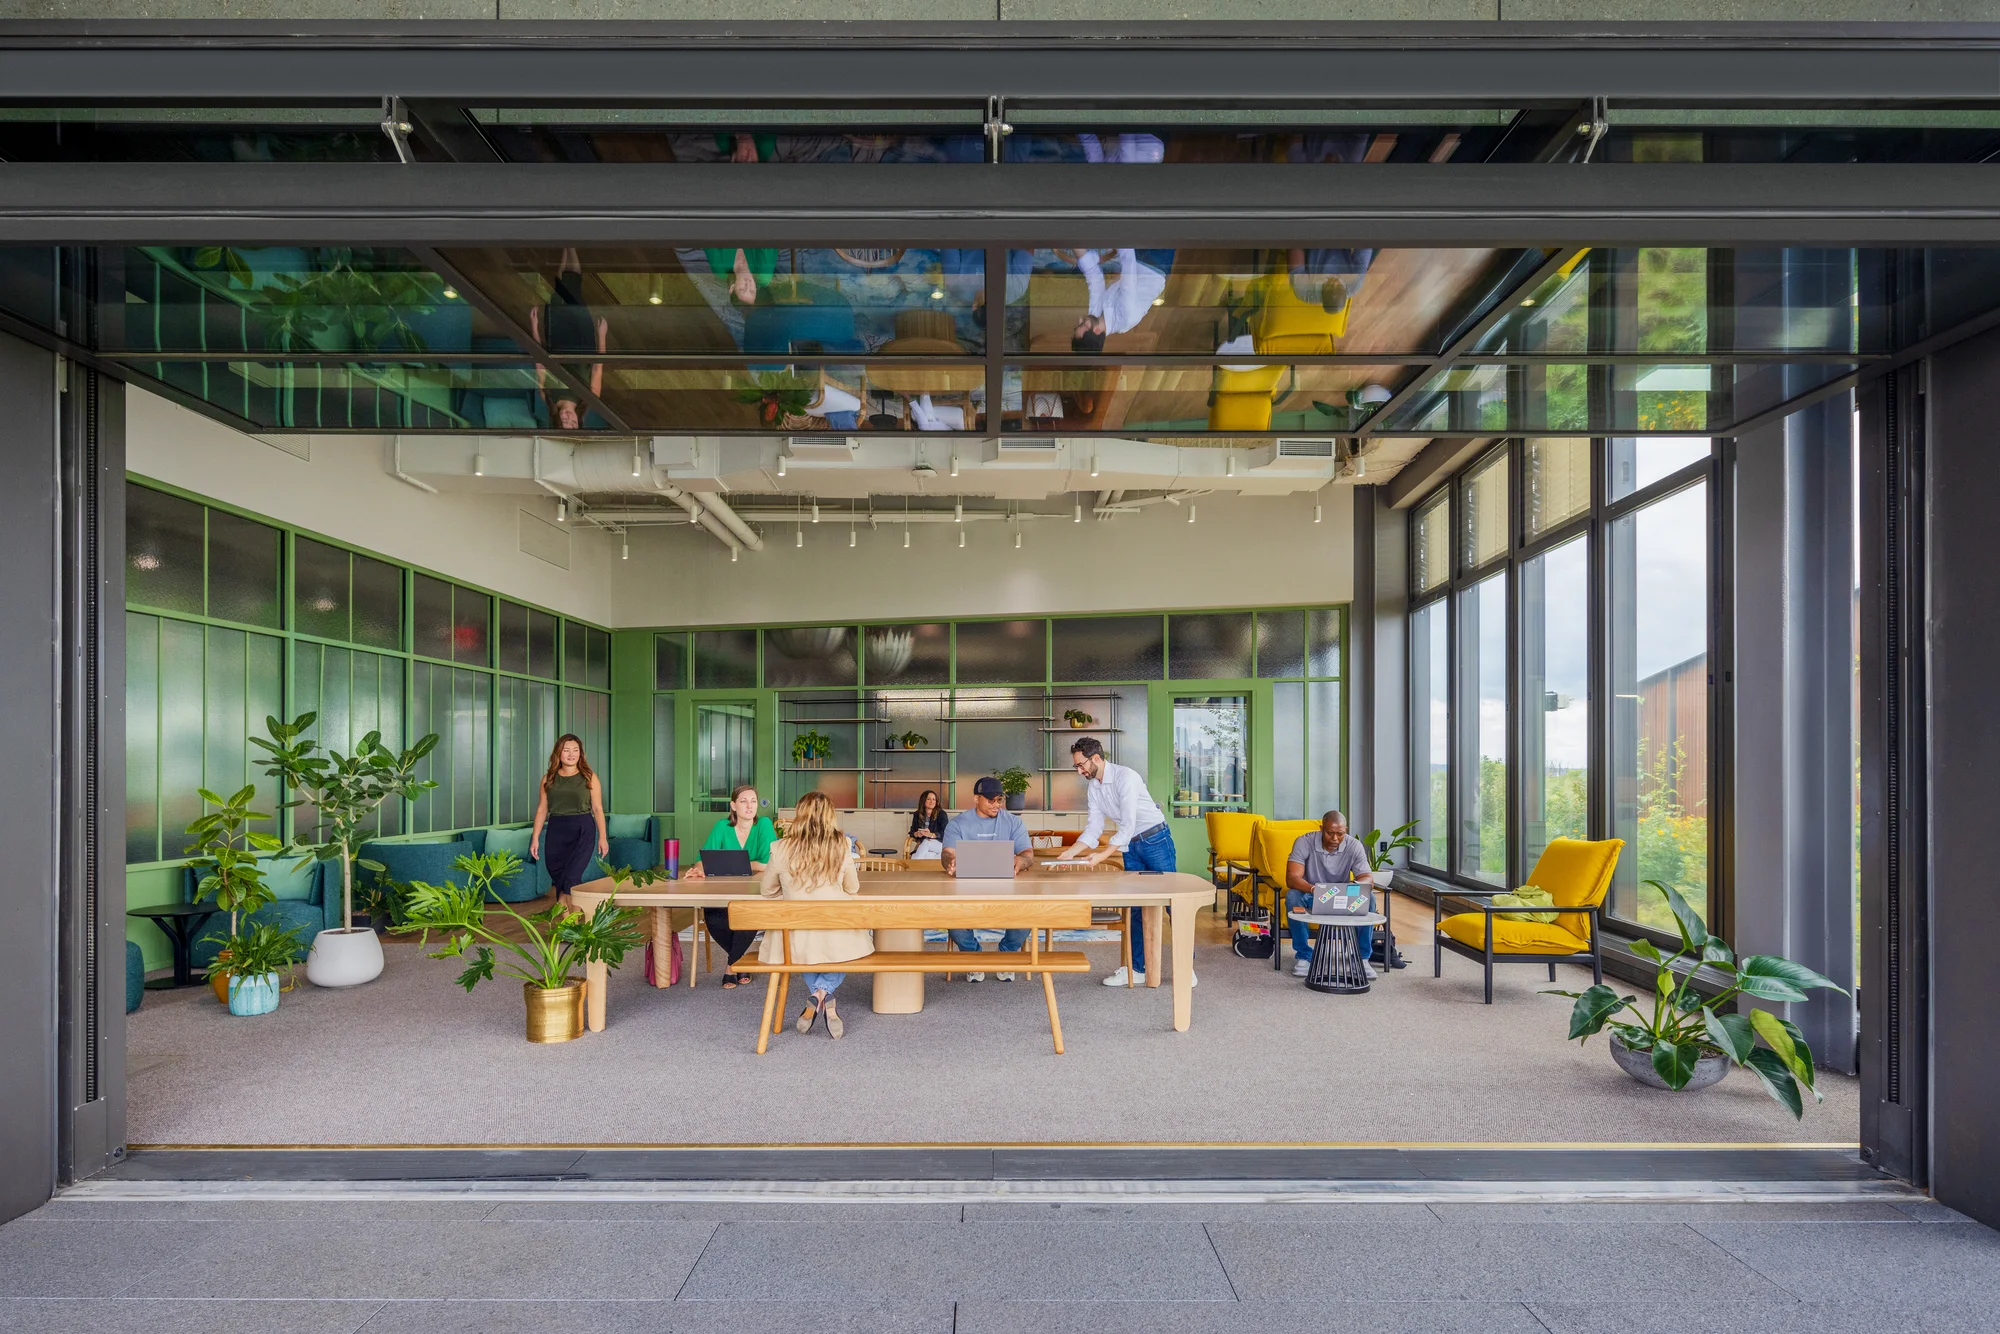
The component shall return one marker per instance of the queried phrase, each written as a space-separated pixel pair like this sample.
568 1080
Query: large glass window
1658 603
1555 697
1431 565
1556 484
1482 720
1430 734
1484 504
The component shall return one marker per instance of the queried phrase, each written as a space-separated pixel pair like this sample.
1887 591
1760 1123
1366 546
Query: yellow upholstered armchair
1576 874
1271 849
1231 835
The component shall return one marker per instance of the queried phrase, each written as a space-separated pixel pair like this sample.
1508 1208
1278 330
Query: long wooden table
1178 895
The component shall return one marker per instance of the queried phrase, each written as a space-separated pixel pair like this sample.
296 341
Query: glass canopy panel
1301 137
1800 134
734 135
290 299
196 134
1664 398
1315 300
1245 397
880 301
881 396
334 396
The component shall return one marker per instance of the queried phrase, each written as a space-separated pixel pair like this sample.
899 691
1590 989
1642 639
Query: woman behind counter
740 830
812 862
570 811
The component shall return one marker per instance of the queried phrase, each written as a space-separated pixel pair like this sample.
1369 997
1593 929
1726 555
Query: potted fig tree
543 949
345 790
223 852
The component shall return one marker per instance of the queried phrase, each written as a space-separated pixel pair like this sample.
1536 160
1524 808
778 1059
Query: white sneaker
1369 969
1003 977
975 977
1302 967
1117 979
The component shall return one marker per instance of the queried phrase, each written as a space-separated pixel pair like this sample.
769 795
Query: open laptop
725 861
985 859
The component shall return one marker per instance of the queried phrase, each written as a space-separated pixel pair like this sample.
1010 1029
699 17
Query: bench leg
764 1024
1055 1021
783 982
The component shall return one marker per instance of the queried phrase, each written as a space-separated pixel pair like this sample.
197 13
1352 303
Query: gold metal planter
554 1014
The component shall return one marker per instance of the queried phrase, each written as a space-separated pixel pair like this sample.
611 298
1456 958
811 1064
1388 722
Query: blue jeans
1152 850
1296 902
1010 943
827 982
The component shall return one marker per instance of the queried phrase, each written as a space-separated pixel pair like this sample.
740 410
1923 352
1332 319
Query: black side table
1337 962
180 921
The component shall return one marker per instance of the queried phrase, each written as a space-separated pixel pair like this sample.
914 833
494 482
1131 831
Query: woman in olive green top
746 831
570 812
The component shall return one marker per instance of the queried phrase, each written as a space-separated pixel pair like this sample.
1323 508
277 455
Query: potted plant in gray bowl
1014 783
1381 850
1690 1041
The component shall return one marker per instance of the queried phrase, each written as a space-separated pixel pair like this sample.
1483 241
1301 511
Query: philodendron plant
542 949
1685 1026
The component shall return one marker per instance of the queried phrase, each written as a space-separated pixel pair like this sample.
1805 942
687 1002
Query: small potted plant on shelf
1380 850
811 748
914 740
1689 1041
542 949
1014 783
253 962
345 790
1077 718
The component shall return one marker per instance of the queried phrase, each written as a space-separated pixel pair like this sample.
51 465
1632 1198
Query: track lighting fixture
958 511
1079 511
624 547
961 539
1017 539
815 511
734 552
478 465
1191 510
798 537
1316 512
1229 464
562 511
954 463
906 537
850 535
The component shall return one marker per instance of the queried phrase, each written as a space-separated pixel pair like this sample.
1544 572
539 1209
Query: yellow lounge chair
1231 836
1272 849
1577 875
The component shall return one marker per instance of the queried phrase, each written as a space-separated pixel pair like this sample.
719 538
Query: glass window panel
319 589
433 616
1323 629
724 659
471 626
1482 723
1307 299
510 640
243 560
590 718
225 729
1481 399
524 731
915 654
1483 498
1243 396
1798 134
263 691
670 664
181 776
725 750
810 655
1430 734
435 766
163 551
1323 749
1658 604
1555 484
1432 549
663 753
877 396
1211 764
1555 317
1288 750
1281 643
1209 646
142 738
576 653
995 730
885 301
361 396
1555 694
1118 719
1107 648
378 603
1633 465
541 644
600 658
1001 651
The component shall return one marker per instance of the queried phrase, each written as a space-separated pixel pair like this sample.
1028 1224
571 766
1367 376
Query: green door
725 750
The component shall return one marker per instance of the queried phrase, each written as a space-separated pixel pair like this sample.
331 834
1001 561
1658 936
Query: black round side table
179 921
1337 962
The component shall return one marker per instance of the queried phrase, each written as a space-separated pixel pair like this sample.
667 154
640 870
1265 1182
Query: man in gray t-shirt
1328 857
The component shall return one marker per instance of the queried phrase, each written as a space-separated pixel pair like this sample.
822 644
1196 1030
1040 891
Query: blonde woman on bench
811 862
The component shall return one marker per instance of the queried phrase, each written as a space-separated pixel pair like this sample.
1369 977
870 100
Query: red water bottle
670 853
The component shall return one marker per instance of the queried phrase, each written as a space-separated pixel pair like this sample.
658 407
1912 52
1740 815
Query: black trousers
734 943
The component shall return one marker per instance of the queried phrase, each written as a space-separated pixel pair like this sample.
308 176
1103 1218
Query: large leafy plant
223 850
1402 836
1685 1026
344 789
262 949
550 943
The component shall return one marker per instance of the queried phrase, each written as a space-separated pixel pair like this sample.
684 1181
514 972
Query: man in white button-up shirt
1119 793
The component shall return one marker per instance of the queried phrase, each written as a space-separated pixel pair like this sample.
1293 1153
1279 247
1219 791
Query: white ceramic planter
344 958
1383 878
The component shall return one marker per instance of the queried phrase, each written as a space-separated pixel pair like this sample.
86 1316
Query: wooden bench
789 915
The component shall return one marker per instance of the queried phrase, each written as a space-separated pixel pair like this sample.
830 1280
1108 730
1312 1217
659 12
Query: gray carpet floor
411 1059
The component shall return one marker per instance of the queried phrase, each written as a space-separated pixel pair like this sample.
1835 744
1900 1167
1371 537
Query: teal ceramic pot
253 995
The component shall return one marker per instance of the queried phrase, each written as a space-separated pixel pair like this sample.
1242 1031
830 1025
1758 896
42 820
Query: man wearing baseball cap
989 820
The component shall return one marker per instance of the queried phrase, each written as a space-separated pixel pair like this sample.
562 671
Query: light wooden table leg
898 993
596 979
1184 914
1153 959
663 946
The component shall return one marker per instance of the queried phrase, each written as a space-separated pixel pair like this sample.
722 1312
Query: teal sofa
531 881
635 841
303 904
405 862
135 975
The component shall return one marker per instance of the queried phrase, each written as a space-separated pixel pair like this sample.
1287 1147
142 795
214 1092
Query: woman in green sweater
746 831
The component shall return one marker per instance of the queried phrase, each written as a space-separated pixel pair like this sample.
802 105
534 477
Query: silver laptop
985 859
